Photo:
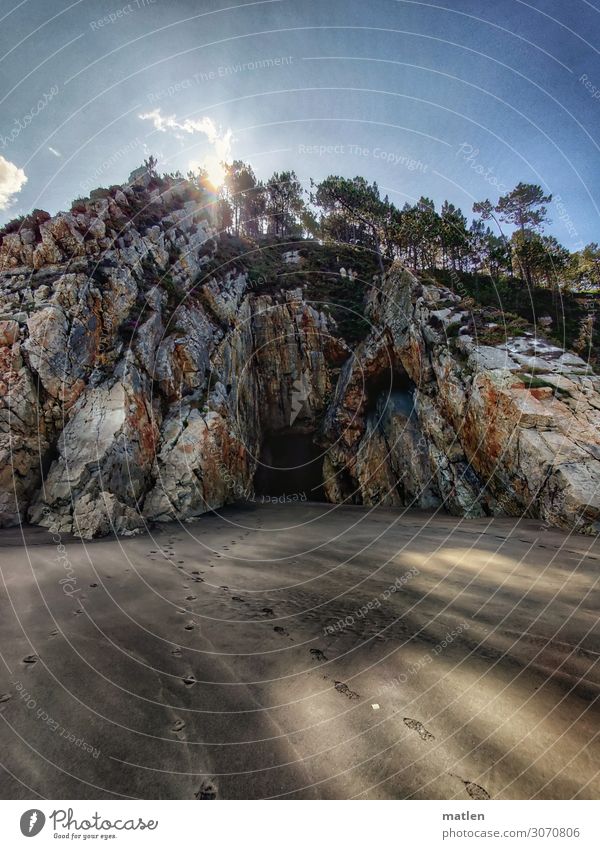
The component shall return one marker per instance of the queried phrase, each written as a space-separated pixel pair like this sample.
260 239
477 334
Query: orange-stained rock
151 383
9 332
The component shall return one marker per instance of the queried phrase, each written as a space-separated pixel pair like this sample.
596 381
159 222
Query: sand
302 651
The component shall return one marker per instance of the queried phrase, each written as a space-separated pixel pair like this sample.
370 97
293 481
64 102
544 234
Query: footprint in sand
5 697
178 725
417 726
268 611
176 653
189 680
345 690
189 627
279 630
318 655
93 585
237 598
31 658
475 791
207 790
191 597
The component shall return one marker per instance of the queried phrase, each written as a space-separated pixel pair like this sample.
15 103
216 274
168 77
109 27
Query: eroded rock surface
140 378
507 429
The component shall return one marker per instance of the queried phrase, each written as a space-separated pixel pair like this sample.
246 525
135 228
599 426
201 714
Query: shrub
79 205
27 222
99 194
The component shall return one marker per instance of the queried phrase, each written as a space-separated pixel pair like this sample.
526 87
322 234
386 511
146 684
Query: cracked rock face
23 428
137 386
105 455
492 439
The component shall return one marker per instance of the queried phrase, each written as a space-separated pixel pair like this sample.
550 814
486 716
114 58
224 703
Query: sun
215 171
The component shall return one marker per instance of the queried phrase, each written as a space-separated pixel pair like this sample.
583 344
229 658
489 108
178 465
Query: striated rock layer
141 379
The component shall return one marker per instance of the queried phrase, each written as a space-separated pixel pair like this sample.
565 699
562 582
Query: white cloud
54 152
12 180
220 141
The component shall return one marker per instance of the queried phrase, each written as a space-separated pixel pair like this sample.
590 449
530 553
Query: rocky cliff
145 369
510 428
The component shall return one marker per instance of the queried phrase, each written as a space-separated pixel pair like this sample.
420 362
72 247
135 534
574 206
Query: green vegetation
534 381
26 222
519 276
524 276
571 312
317 272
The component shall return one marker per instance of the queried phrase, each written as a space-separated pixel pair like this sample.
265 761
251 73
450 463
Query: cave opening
393 385
290 464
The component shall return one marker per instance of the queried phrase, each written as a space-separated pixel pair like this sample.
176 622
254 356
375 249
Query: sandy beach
302 651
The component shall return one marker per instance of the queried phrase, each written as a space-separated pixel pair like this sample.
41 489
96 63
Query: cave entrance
394 386
290 465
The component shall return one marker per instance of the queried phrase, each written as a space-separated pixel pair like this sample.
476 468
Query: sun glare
215 171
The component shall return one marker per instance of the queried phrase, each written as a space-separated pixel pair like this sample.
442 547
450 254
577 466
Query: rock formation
505 429
142 374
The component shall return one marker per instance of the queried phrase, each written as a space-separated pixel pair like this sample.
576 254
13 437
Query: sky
457 100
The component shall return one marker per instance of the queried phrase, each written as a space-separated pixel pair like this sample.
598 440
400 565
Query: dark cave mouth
290 467
394 387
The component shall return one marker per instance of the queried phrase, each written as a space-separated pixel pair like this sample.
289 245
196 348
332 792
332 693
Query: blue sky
457 99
